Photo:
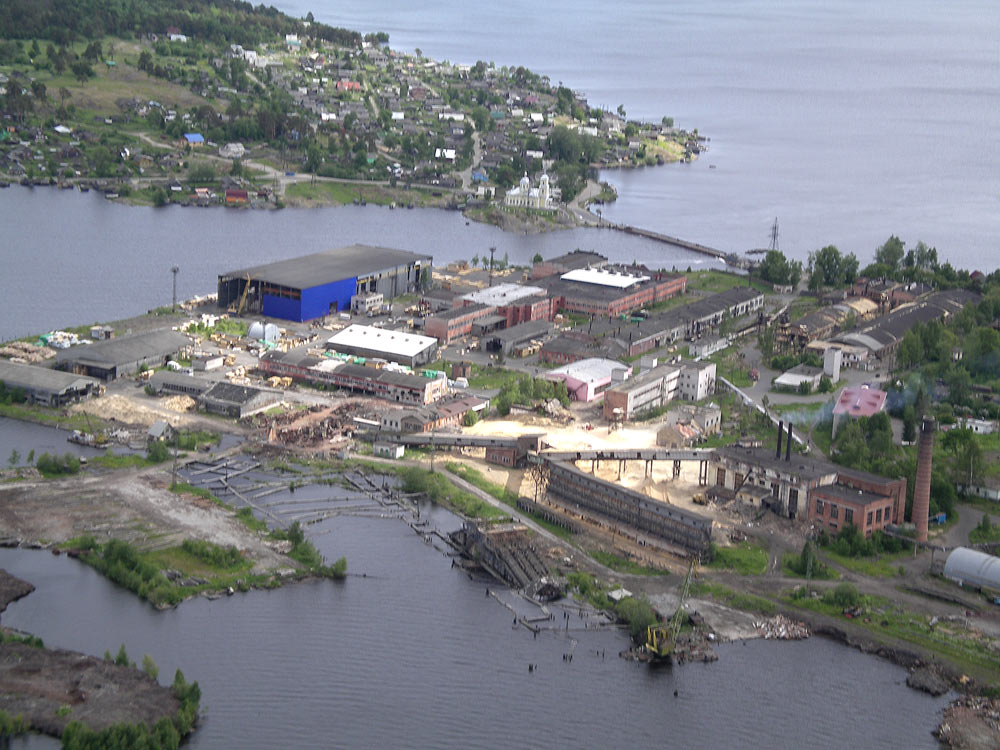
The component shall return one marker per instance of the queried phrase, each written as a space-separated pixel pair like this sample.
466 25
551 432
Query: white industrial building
969 567
697 380
396 346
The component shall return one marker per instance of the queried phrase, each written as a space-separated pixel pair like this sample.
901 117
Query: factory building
236 401
589 378
395 346
604 292
568 262
44 386
323 283
400 387
519 339
113 358
514 302
448 325
648 390
611 504
814 488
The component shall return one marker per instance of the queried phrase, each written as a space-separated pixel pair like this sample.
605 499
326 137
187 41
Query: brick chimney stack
922 489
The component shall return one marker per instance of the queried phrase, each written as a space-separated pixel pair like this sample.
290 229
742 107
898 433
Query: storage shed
971 567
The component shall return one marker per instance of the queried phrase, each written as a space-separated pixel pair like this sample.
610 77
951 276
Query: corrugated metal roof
329 266
124 350
30 377
603 278
381 340
974 567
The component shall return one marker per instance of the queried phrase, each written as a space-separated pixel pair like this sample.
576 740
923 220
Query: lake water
104 261
415 655
847 120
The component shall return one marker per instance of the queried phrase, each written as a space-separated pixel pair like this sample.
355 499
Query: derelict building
323 283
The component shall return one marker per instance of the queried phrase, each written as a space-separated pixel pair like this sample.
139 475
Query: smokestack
788 445
922 490
781 431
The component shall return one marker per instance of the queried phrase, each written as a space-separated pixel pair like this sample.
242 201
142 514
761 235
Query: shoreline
45 690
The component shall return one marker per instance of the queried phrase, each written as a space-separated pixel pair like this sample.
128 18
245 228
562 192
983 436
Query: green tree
149 666
159 196
158 452
890 254
536 259
82 71
14 457
122 658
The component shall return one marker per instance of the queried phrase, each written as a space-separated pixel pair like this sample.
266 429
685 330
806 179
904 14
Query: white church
541 198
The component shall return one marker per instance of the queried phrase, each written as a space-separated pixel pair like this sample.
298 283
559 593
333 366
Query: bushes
845 595
225 558
849 543
637 613
120 562
53 465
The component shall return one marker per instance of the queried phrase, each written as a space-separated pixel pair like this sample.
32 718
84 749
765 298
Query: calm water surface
414 655
848 120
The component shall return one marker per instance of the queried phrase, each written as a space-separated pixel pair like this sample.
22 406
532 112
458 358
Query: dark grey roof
523 331
566 345
851 495
578 259
124 350
329 266
803 466
458 312
231 394
180 379
391 377
35 379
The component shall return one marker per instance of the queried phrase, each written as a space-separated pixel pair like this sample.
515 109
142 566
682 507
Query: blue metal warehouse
321 284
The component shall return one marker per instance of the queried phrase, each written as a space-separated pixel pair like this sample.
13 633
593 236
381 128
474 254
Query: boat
84 189
4 184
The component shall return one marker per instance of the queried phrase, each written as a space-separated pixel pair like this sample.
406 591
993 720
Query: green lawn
745 558
881 566
624 565
493 377
720 281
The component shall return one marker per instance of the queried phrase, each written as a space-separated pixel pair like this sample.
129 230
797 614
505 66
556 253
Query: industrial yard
618 441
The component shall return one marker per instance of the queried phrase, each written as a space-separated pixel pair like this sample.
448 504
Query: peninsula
239 106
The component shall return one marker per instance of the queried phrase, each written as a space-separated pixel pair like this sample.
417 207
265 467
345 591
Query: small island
232 105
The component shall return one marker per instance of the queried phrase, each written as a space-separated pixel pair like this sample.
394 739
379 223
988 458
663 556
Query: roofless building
323 283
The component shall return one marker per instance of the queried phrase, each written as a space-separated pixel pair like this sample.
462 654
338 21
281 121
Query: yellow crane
661 638
243 299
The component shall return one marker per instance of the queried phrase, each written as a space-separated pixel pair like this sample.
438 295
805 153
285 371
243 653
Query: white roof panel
381 340
603 278
502 294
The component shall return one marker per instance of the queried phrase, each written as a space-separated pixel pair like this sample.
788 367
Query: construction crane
243 299
661 638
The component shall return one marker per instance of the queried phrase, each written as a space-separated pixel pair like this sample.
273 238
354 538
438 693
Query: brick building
449 325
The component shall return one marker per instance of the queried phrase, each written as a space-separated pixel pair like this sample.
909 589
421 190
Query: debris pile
22 351
179 403
780 628
315 427
971 721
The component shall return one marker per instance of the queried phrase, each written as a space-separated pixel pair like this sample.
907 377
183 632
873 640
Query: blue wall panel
282 307
316 300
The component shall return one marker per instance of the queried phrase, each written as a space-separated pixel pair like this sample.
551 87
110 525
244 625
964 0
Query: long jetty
687 244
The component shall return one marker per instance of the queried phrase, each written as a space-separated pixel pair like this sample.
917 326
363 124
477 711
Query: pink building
587 379
857 401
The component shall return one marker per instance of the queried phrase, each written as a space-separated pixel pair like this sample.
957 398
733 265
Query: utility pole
173 306
492 250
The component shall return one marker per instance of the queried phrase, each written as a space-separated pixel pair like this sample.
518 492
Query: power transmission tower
492 250
774 234
173 306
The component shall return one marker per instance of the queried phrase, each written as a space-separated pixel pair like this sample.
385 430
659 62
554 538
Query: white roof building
502 294
603 278
368 341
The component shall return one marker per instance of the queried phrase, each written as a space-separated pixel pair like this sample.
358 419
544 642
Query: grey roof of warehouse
329 266
888 330
458 312
17 375
529 329
125 349
230 393
804 466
